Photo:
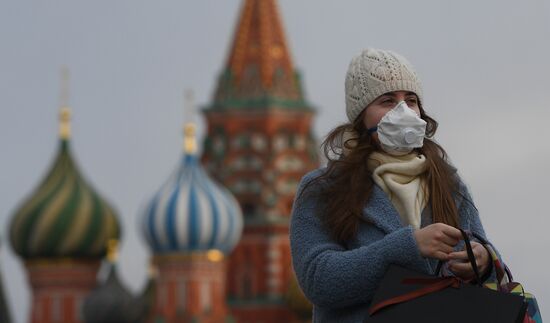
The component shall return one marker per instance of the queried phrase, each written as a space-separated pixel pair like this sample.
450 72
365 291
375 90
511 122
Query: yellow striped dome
64 217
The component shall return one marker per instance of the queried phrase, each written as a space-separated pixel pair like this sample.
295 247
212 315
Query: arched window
259 142
280 142
205 297
249 209
57 310
182 295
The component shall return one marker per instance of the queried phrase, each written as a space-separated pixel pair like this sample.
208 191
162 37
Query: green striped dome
64 217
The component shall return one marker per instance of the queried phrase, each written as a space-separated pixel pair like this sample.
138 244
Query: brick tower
259 144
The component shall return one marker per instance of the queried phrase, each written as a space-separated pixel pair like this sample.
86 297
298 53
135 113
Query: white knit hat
375 72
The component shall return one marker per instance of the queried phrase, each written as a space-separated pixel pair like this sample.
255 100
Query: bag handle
471 258
501 269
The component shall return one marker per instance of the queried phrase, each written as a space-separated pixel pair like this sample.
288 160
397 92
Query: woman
387 196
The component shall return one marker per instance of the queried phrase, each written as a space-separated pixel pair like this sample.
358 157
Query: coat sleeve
334 277
470 220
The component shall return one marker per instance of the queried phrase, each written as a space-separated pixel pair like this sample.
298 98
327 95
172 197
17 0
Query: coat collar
380 211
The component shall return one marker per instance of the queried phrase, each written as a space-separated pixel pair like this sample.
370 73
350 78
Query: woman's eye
412 101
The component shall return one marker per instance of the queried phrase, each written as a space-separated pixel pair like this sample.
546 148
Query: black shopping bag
405 295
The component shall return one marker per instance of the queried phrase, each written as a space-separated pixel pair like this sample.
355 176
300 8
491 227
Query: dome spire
189 128
259 73
64 110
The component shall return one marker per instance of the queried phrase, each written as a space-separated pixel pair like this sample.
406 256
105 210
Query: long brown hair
346 184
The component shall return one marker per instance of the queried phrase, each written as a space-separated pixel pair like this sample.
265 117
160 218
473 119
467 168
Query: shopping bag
505 284
405 295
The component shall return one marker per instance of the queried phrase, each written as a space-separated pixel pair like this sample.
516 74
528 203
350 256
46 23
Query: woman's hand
437 240
460 265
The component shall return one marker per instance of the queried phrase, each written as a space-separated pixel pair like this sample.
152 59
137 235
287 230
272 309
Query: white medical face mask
400 130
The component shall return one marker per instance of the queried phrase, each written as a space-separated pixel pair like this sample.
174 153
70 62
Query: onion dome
191 212
64 216
111 302
146 300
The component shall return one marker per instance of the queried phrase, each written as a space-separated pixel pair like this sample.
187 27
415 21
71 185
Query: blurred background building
218 227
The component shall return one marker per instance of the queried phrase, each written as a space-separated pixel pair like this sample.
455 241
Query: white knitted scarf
399 177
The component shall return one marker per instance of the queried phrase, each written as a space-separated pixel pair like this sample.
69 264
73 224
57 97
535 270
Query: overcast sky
484 66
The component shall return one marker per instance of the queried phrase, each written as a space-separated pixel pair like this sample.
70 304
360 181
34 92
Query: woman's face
384 103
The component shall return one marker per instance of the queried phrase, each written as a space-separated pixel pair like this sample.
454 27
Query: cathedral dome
110 301
191 212
64 217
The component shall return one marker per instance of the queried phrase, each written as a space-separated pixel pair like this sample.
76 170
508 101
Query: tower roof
191 212
260 40
110 301
259 72
64 217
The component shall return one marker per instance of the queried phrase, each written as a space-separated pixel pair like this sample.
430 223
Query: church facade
259 144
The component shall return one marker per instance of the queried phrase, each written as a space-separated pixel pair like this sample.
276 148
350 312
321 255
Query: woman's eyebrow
391 95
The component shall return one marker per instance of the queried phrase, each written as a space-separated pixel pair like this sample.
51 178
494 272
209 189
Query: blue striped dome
192 213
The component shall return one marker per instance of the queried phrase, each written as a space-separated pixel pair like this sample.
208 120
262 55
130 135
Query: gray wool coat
340 280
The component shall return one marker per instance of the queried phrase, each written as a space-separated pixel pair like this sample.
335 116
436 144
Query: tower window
249 209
